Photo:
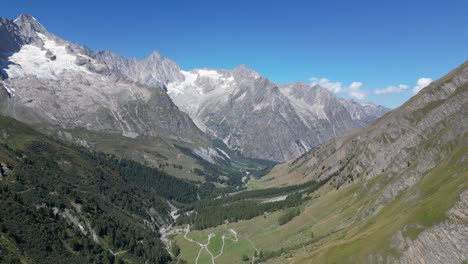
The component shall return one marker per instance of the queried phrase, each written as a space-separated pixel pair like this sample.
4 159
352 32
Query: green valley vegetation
289 215
370 195
62 203
245 205
65 203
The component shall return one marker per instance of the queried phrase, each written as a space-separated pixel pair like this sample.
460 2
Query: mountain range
106 159
54 83
405 177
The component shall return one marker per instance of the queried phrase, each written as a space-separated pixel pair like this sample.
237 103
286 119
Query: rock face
391 144
262 119
444 242
393 158
48 81
152 71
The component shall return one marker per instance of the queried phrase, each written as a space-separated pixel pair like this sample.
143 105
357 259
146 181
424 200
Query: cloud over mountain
354 90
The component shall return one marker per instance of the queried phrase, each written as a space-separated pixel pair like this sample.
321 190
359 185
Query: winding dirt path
205 246
223 238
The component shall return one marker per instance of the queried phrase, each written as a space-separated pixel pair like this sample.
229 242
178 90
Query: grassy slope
299 171
436 194
343 230
340 232
151 151
232 252
162 153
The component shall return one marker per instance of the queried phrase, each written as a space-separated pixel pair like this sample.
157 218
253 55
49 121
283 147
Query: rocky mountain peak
9 34
25 18
101 92
155 56
29 26
235 105
244 71
232 105
300 90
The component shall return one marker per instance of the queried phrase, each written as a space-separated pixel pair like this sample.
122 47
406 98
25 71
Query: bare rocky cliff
48 81
442 243
265 120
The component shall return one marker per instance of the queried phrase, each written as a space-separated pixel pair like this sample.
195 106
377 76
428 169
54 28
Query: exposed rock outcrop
54 83
443 243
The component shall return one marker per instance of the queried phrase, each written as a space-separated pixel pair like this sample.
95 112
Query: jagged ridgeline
84 97
150 104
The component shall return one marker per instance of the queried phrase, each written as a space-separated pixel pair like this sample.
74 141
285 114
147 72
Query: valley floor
217 245
346 225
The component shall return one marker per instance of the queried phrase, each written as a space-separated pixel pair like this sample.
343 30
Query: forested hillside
64 204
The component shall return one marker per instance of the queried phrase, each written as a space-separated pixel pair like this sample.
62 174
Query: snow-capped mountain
262 119
51 82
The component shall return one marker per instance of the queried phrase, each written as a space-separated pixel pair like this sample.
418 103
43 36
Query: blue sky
354 48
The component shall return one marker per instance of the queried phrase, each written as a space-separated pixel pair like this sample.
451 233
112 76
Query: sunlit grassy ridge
334 228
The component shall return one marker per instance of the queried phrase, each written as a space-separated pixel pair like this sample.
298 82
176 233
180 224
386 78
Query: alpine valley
107 159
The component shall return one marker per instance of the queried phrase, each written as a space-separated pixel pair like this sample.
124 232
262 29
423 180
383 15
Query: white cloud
334 87
392 89
353 90
355 85
422 82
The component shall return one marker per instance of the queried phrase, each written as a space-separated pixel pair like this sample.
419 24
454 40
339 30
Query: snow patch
241 97
224 153
208 154
16 20
176 88
304 145
198 89
210 74
32 60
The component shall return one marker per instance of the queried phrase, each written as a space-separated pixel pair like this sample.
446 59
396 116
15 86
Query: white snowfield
237 106
198 88
32 60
